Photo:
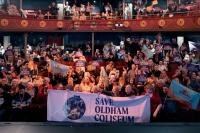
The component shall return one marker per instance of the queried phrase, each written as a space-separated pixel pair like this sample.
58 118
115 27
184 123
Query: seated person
40 15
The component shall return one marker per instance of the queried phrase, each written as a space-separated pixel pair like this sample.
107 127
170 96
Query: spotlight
119 25
116 25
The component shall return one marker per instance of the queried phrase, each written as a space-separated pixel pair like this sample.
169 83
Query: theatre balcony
187 21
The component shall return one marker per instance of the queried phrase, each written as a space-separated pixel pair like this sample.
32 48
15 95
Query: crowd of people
138 67
136 9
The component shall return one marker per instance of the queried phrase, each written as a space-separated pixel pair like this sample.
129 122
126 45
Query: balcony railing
33 15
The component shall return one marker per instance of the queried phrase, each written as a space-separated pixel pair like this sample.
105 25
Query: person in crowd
53 10
68 9
156 103
108 8
194 84
86 84
136 74
30 89
21 101
70 84
97 54
88 9
40 15
129 91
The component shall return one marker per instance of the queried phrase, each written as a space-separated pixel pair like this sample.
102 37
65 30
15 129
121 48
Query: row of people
136 9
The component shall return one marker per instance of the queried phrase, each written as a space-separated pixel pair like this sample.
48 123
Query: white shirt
68 8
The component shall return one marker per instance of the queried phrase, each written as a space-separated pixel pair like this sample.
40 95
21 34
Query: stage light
116 25
119 25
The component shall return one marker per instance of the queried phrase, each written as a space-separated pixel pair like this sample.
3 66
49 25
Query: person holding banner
194 83
86 85
155 101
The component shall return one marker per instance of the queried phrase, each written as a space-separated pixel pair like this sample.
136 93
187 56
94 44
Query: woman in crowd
156 103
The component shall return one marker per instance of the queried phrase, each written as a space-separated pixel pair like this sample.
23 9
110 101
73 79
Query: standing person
88 50
82 9
194 83
9 55
67 9
129 91
86 85
40 15
155 101
53 9
126 11
88 9
108 8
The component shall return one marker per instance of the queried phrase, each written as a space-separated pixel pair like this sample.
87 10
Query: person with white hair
30 89
86 85
2 50
129 91
68 9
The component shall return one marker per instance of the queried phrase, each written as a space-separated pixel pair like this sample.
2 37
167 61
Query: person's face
163 74
78 69
29 86
77 88
198 74
112 78
155 67
12 68
177 80
165 90
139 72
133 66
150 62
70 81
60 87
194 76
159 84
26 76
14 84
115 89
131 81
87 80
149 90
53 4
128 89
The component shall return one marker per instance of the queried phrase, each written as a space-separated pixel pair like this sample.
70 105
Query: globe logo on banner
74 108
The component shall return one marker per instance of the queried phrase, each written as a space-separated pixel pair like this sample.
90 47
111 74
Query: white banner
67 106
